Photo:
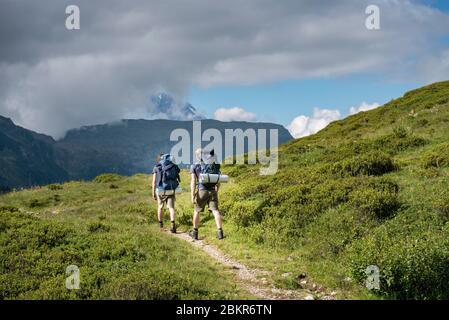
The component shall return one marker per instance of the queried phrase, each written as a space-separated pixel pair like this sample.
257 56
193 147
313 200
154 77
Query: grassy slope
102 228
371 189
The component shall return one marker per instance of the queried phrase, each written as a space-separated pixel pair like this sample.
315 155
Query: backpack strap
197 170
158 174
168 166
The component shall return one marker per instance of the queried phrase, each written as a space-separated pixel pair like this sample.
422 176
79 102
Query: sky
300 63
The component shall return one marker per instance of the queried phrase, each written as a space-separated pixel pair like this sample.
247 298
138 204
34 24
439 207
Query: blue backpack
167 174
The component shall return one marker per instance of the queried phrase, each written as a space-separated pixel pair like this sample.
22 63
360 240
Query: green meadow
372 189
108 229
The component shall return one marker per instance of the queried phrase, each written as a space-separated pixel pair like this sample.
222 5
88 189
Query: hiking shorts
163 199
204 197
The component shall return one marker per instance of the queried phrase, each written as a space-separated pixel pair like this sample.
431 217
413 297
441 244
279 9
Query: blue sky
281 101
440 4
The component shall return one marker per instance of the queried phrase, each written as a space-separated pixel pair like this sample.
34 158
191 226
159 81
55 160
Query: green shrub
234 170
8 209
142 208
244 213
396 142
54 187
27 232
400 132
143 287
108 178
441 204
412 266
37 203
97 227
274 231
437 157
373 163
335 229
378 197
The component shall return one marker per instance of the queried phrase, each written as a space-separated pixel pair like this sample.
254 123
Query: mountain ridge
126 147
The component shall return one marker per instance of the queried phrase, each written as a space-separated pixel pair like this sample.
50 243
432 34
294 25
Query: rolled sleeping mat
168 192
213 178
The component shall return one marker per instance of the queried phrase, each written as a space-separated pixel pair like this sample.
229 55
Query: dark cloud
52 79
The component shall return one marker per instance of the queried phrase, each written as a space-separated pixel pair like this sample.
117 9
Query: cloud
303 125
52 79
363 107
234 114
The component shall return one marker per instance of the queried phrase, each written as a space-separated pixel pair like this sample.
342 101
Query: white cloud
303 125
52 79
364 107
234 114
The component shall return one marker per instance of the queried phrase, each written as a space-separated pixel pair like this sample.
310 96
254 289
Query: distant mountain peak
5 120
166 105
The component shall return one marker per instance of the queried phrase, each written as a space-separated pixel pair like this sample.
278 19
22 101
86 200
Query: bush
8 209
373 163
400 132
335 229
54 187
274 231
412 266
108 178
97 227
441 204
398 142
378 198
437 157
44 202
244 213
37 203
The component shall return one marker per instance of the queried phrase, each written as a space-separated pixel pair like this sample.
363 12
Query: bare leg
217 216
172 214
160 209
196 219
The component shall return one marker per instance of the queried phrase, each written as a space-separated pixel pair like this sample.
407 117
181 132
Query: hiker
205 193
166 180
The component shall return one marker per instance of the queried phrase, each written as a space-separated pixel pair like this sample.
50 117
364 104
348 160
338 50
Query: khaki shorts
204 197
169 200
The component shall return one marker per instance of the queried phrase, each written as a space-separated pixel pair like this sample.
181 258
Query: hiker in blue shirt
205 193
165 181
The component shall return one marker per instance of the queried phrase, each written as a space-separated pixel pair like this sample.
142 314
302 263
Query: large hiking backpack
168 174
212 168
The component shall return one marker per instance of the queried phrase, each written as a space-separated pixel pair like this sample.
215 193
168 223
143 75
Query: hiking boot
173 228
220 234
161 224
194 234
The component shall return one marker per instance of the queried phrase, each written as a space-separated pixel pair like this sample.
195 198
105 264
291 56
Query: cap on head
166 157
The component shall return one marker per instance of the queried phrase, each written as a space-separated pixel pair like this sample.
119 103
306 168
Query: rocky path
251 279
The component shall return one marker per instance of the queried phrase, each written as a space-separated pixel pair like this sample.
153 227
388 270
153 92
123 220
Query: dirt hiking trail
254 280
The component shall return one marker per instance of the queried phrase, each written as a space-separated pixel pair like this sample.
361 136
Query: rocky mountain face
131 146
26 158
125 147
